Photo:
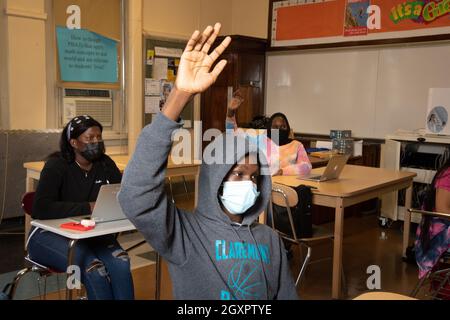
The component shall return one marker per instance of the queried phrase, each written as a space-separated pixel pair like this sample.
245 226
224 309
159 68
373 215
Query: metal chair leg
185 185
418 286
17 279
303 268
443 281
136 245
39 287
45 287
59 291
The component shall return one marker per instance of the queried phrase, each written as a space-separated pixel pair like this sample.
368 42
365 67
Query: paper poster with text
86 56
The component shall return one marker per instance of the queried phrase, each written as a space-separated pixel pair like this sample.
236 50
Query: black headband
75 122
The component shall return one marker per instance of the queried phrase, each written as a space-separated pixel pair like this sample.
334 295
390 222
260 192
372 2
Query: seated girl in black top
68 186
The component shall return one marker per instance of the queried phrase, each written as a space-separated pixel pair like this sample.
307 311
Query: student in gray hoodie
219 251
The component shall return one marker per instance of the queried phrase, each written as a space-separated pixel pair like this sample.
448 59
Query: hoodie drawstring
259 251
260 261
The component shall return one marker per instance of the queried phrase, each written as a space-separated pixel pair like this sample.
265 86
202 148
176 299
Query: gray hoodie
209 256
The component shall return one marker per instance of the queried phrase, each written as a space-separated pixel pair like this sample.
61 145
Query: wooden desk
173 170
356 184
379 295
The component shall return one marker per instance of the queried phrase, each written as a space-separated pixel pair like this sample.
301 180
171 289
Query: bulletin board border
343 44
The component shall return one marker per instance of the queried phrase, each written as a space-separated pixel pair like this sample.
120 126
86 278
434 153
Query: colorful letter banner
309 22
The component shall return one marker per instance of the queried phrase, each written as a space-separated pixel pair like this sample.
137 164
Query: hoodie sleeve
286 289
230 123
142 195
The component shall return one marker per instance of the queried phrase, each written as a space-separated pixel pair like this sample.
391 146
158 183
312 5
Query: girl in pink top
286 156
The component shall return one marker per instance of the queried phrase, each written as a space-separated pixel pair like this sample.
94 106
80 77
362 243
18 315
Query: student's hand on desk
194 74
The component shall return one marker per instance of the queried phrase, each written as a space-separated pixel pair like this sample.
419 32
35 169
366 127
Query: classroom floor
365 244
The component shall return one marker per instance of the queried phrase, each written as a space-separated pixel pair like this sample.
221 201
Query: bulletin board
161 60
102 17
304 24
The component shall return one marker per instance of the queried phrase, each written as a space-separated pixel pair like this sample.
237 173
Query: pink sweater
291 158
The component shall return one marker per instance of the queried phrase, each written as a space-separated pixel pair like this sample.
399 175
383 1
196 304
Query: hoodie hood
218 159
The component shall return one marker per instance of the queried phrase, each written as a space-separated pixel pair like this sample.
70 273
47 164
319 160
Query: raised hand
194 75
236 100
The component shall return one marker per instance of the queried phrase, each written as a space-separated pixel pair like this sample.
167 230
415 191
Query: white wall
4 118
178 18
170 17
372 91
26 67
250 17
212 11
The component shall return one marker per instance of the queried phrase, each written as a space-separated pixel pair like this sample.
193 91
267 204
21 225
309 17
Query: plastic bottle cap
88 223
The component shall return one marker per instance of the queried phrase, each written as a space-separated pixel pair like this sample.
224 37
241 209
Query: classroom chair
44 272
285 196
33 266
439 277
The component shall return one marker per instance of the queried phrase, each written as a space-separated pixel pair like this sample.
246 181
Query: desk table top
353 180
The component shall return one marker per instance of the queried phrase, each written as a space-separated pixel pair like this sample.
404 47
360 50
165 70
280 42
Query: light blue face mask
239 196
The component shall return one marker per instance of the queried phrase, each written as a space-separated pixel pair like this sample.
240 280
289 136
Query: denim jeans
104 265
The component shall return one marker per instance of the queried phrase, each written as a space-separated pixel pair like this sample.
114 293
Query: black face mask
93 151
283 137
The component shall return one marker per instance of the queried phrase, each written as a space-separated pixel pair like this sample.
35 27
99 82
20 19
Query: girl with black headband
69 186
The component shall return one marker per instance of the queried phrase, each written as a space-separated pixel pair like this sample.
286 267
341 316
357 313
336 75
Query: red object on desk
75 226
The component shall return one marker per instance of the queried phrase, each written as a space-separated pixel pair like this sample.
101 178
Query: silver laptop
334 168
107 207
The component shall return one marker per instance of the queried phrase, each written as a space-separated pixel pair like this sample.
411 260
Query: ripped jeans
104 265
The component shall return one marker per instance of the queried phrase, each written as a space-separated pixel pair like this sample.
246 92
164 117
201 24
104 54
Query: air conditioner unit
96 103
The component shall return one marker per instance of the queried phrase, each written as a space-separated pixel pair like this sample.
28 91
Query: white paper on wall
152 104
160 68
438 111
152 87
168 52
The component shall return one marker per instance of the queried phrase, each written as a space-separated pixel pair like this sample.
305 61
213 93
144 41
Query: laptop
334 168
107 207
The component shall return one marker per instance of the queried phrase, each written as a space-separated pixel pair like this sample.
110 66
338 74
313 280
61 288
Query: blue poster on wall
86 56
